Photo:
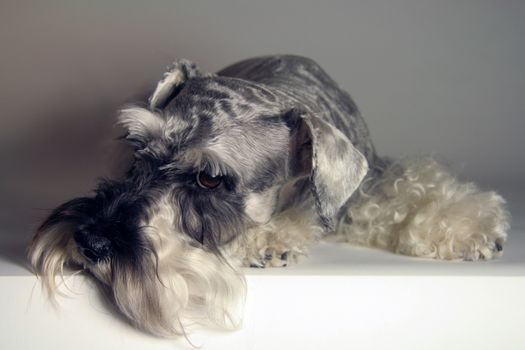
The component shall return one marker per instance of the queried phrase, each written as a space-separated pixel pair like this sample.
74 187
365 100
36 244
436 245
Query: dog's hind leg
417 208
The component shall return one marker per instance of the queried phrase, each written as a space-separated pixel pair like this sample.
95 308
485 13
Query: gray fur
246 104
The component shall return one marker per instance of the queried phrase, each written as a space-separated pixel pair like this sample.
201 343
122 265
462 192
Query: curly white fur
418 208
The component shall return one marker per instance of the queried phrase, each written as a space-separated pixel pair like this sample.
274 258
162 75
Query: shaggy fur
249 167
418 208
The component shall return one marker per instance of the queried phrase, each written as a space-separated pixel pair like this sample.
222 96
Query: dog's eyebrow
195 162
215 167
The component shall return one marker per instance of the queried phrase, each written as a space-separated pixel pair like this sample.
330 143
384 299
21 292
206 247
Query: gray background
444 77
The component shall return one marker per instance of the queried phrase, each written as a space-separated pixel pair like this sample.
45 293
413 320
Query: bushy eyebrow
197 161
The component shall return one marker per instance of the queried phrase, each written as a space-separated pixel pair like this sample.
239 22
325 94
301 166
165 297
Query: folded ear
335 166
173 81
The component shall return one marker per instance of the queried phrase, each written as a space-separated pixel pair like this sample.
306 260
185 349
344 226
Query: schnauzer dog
248 167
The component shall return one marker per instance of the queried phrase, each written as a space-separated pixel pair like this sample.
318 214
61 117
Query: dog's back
307 84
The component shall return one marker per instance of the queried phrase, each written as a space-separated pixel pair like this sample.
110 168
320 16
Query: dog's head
213 157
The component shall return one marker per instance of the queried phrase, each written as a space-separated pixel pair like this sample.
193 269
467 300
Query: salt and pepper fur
296 163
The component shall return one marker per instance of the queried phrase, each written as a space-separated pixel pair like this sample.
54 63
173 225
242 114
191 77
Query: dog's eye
205 180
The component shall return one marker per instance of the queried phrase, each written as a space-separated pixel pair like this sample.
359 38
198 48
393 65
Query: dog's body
248 168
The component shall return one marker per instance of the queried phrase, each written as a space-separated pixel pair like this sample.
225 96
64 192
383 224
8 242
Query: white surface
341 297
298 312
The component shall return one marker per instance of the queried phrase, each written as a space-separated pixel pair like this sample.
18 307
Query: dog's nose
93 247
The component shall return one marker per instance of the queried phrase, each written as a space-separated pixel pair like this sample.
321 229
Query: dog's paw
272 257
468 241
481 248
470 229
480 228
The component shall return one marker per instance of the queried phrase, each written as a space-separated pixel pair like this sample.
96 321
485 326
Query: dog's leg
279 242
418 208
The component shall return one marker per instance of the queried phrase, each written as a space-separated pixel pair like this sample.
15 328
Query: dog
249 167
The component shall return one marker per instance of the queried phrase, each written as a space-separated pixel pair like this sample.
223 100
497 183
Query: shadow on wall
59 158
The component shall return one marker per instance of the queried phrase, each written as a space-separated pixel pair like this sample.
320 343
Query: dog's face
213 157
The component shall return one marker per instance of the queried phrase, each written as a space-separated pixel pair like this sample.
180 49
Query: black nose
93 247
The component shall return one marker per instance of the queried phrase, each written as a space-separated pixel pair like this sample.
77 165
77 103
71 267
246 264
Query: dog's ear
335 166
173 81
141 126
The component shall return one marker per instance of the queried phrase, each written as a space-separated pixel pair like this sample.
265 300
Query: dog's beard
171 285
49 252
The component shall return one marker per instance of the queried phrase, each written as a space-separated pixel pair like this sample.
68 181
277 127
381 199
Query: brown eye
207 181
